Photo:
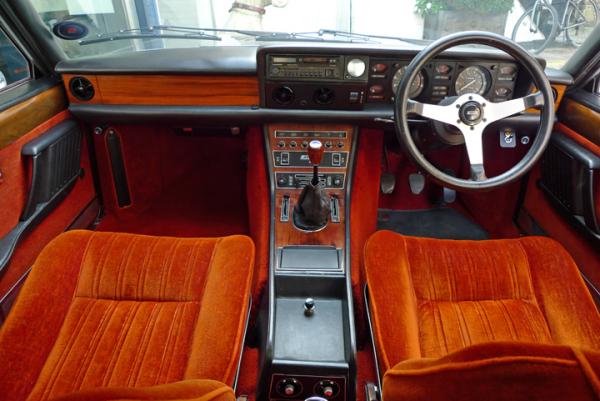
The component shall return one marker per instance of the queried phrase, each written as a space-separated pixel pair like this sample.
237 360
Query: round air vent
283 95
324 96
82 88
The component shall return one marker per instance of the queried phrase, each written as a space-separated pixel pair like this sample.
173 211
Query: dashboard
280 83
336 81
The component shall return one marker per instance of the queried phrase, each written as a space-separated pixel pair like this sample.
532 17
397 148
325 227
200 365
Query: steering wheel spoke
444 114
498 111
474 145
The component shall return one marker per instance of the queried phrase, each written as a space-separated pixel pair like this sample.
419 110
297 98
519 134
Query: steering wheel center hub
471 113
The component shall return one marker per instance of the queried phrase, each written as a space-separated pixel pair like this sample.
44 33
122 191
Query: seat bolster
392 300
188 390
562 295
221 324
32 327
498 372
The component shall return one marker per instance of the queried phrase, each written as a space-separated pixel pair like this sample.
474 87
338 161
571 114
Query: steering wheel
472 113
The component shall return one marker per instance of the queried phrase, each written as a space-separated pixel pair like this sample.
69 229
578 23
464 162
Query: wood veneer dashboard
172 90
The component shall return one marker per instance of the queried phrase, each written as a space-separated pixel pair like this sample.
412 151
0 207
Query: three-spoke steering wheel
472 113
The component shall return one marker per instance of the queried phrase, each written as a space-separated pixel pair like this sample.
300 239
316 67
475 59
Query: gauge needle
467 85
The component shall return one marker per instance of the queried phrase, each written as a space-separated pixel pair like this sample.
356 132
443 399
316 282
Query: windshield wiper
154 32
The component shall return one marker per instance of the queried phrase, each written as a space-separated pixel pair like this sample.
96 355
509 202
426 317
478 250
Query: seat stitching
94 344
532 296
144 273
192 262
114 358
66 350
143 340
169 271
176 342
508 318
139 291
144 349
464 330
485 321
165 266
123 266
175 320
81 262
101 265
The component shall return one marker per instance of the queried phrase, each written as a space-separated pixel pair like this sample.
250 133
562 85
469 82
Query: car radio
305 67
315 81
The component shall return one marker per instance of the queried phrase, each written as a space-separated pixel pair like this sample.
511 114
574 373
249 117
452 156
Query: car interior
295 218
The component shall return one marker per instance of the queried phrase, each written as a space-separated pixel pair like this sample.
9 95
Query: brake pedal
242 397
416 182
387 183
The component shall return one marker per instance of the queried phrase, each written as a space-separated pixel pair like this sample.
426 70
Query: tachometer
473 79
416 87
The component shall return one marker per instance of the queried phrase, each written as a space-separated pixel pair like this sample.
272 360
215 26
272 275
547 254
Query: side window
14 67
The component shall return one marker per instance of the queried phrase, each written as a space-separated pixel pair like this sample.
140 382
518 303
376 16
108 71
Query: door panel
563 195
21 124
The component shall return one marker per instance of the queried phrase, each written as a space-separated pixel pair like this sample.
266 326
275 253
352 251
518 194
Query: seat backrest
498 372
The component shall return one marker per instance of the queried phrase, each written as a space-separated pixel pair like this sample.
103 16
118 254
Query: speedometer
416 87
473 79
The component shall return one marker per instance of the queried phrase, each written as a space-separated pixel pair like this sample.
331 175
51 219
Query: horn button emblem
471 113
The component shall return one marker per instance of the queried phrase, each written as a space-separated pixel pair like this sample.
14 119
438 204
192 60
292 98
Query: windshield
551 29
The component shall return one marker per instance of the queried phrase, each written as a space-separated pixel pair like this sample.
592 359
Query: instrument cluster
442 78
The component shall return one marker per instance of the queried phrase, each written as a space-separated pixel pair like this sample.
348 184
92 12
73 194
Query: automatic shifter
312 210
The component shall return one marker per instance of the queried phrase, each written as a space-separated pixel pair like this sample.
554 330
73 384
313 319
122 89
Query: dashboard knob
309 306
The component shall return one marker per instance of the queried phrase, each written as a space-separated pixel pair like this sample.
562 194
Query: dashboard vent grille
82 88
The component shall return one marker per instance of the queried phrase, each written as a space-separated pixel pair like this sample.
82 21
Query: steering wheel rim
405 106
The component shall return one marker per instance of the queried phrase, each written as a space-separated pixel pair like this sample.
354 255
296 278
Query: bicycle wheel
536 28
582 17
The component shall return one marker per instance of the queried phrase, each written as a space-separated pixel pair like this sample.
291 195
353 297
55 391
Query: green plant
424 7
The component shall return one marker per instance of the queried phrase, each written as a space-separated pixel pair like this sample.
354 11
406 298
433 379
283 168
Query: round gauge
473 79
356 67
416 87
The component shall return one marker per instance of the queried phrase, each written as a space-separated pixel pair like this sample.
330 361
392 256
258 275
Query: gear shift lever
312 210
315 155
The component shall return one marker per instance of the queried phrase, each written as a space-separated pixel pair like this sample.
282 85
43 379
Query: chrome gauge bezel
485 80
415 90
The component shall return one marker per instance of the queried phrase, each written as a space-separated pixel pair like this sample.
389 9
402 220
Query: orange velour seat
107 316
507 319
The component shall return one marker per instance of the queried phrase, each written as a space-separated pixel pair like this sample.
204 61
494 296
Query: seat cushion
498 372
127 311
188 390
432 297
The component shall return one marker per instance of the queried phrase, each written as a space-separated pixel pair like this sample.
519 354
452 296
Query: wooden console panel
285 231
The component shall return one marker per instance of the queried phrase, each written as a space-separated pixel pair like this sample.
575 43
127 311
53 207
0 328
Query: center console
309 328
